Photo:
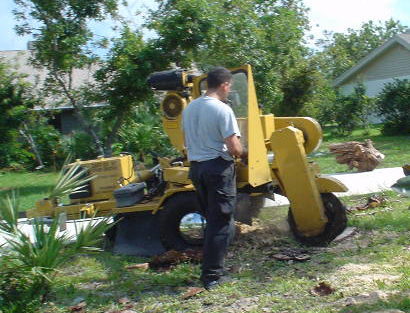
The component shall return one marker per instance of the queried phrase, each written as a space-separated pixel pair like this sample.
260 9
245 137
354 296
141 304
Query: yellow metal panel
76 211
312 132
171 190
298 180
330 184
177 175
149 206
268 125
258 166
46 204
172 126
44 207
110 173
258 171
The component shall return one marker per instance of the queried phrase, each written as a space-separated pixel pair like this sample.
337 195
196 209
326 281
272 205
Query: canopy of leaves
60 29
63 42
121 80
268 35
342 51
122 77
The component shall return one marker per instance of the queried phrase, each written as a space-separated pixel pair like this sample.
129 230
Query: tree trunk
77 111
90 129
113 134
26 135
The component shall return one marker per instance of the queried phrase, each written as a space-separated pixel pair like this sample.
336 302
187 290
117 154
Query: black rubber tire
335 212
175 208
170 217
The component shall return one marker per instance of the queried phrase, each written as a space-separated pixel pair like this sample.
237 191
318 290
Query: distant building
65 120
388 62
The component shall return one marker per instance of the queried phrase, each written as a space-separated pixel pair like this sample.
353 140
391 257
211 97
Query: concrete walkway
358 183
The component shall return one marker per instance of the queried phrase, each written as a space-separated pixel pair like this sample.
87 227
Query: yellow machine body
111 174
287 139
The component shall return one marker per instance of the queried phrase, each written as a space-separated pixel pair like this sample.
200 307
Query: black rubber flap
130 189
137 234
129 195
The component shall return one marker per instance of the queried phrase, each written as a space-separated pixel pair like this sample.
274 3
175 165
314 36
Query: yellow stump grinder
158 207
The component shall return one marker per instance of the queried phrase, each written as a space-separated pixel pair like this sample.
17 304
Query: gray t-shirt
206 122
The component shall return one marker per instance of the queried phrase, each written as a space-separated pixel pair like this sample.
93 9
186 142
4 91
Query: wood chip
302 257
80 307
192 291
282 257
140 266
124 300
349 231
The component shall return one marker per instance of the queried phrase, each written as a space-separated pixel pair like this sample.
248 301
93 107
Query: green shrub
14 155
394 107
15 105
143 133
79 144
19 292
27 280
351 111
48 141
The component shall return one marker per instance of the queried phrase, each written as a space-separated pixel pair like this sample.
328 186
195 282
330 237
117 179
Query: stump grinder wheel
335 212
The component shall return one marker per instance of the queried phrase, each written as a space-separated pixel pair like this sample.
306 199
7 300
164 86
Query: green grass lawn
367 272
31 186
395 148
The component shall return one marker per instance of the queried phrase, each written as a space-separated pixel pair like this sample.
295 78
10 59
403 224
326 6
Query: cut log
361 155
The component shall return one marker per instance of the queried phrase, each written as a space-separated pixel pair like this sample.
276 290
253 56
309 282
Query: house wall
393 63
69 122
373 87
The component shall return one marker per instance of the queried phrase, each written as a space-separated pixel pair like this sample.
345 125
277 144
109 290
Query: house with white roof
64 118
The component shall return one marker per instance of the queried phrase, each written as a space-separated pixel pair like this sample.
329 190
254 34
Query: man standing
212 140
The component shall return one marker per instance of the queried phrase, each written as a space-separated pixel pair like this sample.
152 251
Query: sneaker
212 284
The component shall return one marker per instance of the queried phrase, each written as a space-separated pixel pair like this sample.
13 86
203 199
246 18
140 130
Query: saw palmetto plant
70 180
42 253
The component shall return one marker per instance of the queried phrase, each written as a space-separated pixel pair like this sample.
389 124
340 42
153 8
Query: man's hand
244 156
234 146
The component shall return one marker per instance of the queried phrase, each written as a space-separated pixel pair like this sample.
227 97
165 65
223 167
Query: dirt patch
354 279
366 298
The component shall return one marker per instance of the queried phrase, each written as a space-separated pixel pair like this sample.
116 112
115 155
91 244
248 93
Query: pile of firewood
360 155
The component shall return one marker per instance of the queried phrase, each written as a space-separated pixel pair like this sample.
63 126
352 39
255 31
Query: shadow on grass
27 191
120 282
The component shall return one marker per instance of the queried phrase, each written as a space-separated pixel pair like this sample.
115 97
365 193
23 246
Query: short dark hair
218 76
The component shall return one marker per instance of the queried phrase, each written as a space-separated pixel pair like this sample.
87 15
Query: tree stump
360 155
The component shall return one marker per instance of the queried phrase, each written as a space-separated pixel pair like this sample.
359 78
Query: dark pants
215 185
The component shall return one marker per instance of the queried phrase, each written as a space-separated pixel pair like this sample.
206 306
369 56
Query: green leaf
70 180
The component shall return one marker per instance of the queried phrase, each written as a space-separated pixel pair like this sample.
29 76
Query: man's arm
234 146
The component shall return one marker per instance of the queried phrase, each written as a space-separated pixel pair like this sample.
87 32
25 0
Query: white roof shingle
19 62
